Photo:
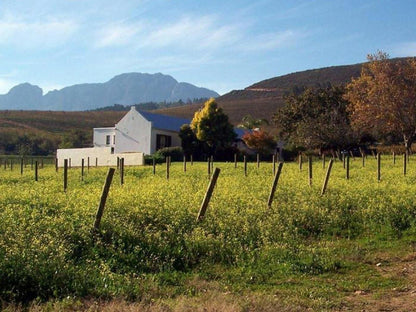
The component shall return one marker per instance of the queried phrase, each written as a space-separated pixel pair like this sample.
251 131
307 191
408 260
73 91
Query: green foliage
175 152
190 144
317 118
212 127
75 138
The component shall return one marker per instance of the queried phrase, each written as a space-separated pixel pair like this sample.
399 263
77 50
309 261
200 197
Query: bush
175 152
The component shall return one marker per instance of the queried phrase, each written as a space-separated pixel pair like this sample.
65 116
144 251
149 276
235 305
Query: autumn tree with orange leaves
383 98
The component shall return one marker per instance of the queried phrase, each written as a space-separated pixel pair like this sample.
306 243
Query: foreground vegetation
307 251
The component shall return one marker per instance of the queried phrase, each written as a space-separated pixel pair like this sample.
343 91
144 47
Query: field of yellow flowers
307 247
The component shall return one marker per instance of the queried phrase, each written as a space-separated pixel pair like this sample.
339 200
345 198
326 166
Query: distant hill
124 89
263 98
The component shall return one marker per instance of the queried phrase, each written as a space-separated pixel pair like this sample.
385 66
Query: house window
107 140
163 141
114 139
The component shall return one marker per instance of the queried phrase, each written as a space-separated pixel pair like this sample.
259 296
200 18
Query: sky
218 44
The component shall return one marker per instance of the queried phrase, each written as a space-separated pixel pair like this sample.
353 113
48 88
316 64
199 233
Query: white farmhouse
136 134
140 131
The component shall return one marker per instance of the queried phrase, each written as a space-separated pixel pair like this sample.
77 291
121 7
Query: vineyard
306 251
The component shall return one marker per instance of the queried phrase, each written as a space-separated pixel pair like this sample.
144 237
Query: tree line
377 107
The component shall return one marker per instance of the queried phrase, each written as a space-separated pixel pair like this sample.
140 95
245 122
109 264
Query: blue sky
222 45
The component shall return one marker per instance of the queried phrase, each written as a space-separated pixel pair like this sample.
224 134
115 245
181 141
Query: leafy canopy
317 118
383 98
211 126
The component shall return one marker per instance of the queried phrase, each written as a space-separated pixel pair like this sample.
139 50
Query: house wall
176 140
101 154
133 134
100 134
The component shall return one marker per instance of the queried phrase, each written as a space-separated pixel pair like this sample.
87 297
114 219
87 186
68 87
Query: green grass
307 250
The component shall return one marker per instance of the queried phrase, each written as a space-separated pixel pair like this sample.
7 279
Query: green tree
317 118
75 138
211 126
383 98
189 142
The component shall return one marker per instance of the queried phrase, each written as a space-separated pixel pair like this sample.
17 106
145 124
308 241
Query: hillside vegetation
260 100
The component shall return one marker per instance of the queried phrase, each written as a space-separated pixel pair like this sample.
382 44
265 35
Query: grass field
307 251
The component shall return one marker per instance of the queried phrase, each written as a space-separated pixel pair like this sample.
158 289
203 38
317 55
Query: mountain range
125 89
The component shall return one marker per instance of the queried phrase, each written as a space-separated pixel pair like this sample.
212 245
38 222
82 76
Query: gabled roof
164 122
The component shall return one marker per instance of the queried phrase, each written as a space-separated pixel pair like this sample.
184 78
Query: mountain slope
126 89
263 98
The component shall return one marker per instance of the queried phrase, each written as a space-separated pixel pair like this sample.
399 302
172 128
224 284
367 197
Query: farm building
140 131
136 134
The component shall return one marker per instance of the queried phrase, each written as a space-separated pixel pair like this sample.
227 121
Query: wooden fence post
310 170
404 163
56 164
121 170
275 180
88 164
235 160
167 167
103 199
274 164
65 174
96 161
245 165
347 174
378 167
36 170
208 195
300 161
258 160
394 158
154 165
82 169
21 165
328 173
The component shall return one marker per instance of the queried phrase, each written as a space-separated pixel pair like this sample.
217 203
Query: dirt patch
403 299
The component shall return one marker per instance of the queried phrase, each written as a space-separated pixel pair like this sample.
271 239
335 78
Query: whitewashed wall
100 134
133 133
102 154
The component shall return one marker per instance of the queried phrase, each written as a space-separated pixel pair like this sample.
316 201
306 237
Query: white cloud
271 41
405 49
25 34
193 33
116 35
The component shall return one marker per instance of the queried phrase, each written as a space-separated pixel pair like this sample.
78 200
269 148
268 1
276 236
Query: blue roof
164 122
